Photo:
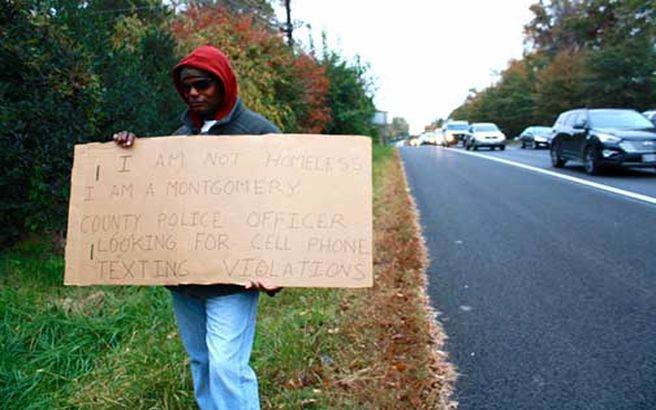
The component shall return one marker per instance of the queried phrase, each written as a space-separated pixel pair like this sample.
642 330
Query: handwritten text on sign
293 210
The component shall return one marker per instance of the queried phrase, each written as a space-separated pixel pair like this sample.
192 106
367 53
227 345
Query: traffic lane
478 255
639 180
544 304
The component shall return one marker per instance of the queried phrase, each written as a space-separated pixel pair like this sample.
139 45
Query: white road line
628 194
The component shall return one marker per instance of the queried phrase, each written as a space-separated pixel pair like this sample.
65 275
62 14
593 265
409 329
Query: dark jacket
240 121
233 118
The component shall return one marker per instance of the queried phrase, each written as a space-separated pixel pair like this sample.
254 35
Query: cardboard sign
292 210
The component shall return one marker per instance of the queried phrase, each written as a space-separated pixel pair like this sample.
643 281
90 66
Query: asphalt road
639 180
546 288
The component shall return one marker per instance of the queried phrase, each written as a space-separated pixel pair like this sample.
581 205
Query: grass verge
117 347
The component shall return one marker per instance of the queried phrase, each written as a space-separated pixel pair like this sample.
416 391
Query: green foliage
295 338
349 96
379 154
399 128
139 95
621 75
118 347
73 72
560 85
48 97
515 98
84 347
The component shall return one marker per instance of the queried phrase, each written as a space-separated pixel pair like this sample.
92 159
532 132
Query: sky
424 56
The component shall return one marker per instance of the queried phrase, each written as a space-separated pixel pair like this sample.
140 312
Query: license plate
649 158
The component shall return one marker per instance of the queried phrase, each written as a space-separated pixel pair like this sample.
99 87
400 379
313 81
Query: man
216 322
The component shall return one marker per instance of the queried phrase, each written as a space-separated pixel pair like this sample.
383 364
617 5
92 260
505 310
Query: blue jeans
218 334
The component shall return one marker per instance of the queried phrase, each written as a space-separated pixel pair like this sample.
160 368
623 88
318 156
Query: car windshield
541 130
486 127
457 127
619 119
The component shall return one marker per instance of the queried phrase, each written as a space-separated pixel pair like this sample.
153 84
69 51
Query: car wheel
523 144
556 160
474 148
502 148
591 161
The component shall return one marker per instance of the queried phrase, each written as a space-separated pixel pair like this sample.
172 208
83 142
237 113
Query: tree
349 96
608 46
559 85
621 75
399 128
515 98
563 24
261 10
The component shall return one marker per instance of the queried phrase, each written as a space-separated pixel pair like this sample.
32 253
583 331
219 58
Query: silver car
651 115
485 134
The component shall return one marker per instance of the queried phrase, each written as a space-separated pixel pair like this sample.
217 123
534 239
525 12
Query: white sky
424 55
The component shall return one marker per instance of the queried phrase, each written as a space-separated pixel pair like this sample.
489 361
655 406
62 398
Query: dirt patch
393 356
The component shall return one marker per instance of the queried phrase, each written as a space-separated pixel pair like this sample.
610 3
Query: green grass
56 341
117 347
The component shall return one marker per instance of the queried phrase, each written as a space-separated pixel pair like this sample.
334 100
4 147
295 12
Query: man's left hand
262 286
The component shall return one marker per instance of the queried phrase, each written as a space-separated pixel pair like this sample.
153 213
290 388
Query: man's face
204 95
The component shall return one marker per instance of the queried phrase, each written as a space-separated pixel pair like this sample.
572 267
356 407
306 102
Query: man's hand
262 286
124 138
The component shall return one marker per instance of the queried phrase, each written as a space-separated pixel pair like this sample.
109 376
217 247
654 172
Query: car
651 115
427 138
535 137
603 138
414 142
438 138
454 132
485 134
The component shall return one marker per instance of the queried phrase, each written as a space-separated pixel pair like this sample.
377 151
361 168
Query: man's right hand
124 138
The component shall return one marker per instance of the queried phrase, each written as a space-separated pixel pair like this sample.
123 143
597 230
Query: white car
428 138
455 132
651 115
485 134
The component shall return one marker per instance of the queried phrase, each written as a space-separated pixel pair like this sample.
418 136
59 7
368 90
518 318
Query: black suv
603 138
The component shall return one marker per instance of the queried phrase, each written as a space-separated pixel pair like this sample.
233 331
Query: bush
68 76
48 95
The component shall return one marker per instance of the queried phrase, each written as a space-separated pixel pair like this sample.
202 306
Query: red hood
212 60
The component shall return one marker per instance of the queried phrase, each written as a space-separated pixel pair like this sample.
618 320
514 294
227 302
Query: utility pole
289 27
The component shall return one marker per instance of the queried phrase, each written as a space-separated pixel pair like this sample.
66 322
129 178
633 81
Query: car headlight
540 139
608 138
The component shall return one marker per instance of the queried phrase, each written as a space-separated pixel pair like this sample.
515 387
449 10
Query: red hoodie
212 60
